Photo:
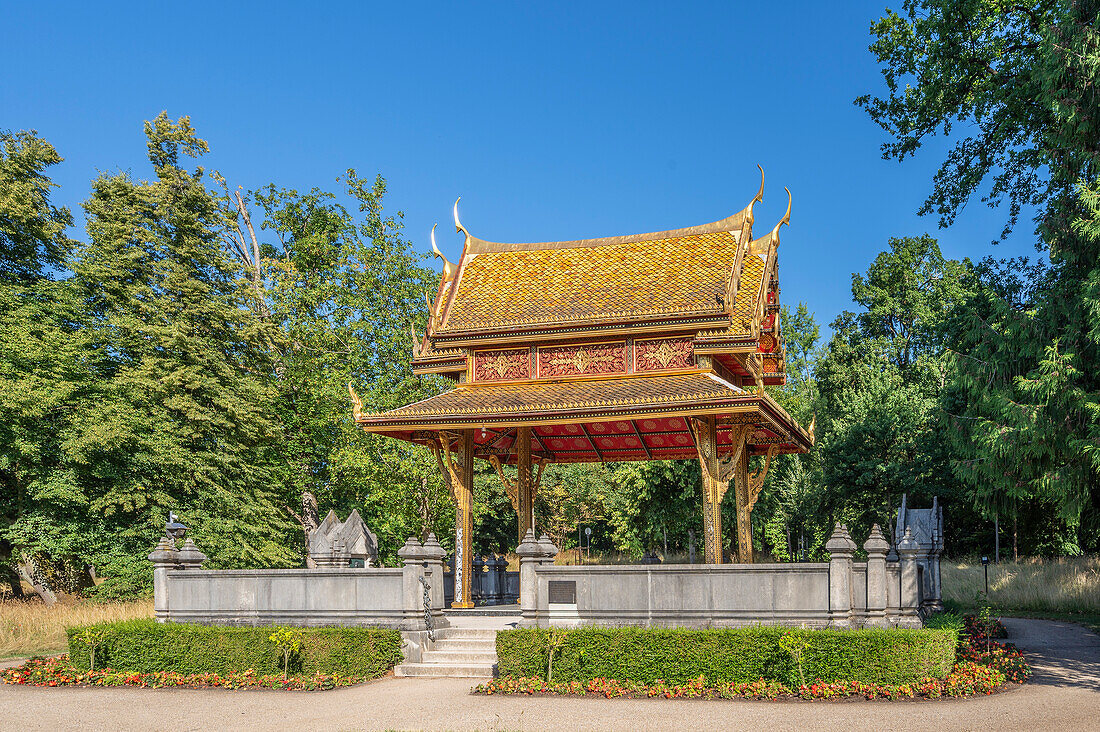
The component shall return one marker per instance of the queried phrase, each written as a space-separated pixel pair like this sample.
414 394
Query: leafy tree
879 383
909 290
180 416
341 291
43 366
1020 81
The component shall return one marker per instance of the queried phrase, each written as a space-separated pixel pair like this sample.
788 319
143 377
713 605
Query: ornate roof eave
756 401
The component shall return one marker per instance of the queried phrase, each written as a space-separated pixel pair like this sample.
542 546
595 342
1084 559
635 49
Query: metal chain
428 608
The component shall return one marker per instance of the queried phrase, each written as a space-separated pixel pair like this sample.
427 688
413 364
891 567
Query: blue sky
552 121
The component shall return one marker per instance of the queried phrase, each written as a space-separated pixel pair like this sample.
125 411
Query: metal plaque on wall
562 593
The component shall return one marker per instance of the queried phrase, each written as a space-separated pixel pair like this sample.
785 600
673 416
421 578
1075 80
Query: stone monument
343 544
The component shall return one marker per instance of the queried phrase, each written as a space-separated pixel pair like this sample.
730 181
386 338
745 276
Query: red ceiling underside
617 440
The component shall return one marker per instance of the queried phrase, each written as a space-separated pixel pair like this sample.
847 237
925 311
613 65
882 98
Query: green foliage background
161 362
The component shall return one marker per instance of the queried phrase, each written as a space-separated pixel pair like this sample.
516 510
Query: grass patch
742 655
32 628
1063 586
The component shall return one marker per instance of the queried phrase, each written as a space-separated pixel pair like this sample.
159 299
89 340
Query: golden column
525 482
455 455
522 490
716 479
744 508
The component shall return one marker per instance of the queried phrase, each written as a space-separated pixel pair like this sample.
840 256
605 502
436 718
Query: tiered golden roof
709 291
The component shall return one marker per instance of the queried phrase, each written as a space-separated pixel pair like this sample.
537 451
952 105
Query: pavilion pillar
717 473
455 454
525 482
741 492
715 484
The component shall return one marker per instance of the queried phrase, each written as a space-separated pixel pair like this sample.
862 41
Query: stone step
468 670
463 646
474 634
459 658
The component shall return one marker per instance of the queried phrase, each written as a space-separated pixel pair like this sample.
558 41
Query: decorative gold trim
357 403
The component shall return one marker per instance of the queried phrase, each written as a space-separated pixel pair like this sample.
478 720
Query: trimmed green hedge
148 646
646 655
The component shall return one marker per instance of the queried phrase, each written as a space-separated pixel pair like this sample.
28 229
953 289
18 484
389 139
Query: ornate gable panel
581 360
661 354
512 364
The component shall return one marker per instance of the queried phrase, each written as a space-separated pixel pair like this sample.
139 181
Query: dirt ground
1064 694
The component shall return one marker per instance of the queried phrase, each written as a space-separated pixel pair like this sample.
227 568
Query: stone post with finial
841 548
412 592
164 557
530 556
433 563
876 547
908 548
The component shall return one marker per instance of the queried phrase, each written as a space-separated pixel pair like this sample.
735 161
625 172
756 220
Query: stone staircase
466 652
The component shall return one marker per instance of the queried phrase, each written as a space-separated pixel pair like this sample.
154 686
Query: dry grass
32 628
1067 585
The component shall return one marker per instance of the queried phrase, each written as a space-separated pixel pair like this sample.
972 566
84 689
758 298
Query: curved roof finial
356 403
786 217
448 268
758 198
458 224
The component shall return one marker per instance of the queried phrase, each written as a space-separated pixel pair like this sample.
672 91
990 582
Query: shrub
742 655
146 646
947 621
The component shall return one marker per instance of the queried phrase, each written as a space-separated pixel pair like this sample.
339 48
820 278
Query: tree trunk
12 578
28 570
1015 545
308 520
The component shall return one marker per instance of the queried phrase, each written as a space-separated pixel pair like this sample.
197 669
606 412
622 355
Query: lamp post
985 566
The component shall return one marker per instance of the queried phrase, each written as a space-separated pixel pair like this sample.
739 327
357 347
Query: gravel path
1064 695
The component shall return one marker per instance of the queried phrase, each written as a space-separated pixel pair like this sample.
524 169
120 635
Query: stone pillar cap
165 552
529 547
190 555
908 545
413 549
876 543
840 541
432 548
547 546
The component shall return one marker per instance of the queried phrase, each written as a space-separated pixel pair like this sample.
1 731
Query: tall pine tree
181 419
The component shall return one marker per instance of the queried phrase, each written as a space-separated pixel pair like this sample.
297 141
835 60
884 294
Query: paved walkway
1064 695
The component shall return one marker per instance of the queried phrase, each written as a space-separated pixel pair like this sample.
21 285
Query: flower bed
976 671
967 679
59 672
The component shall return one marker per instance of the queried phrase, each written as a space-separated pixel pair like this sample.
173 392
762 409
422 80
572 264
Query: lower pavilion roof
633 417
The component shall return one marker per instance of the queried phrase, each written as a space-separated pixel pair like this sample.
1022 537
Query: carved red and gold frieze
660 354
768 343
581 360
502 365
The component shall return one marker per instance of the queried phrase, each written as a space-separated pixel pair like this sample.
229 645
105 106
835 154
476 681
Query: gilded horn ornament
786 217
448 268
759 197
459 228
